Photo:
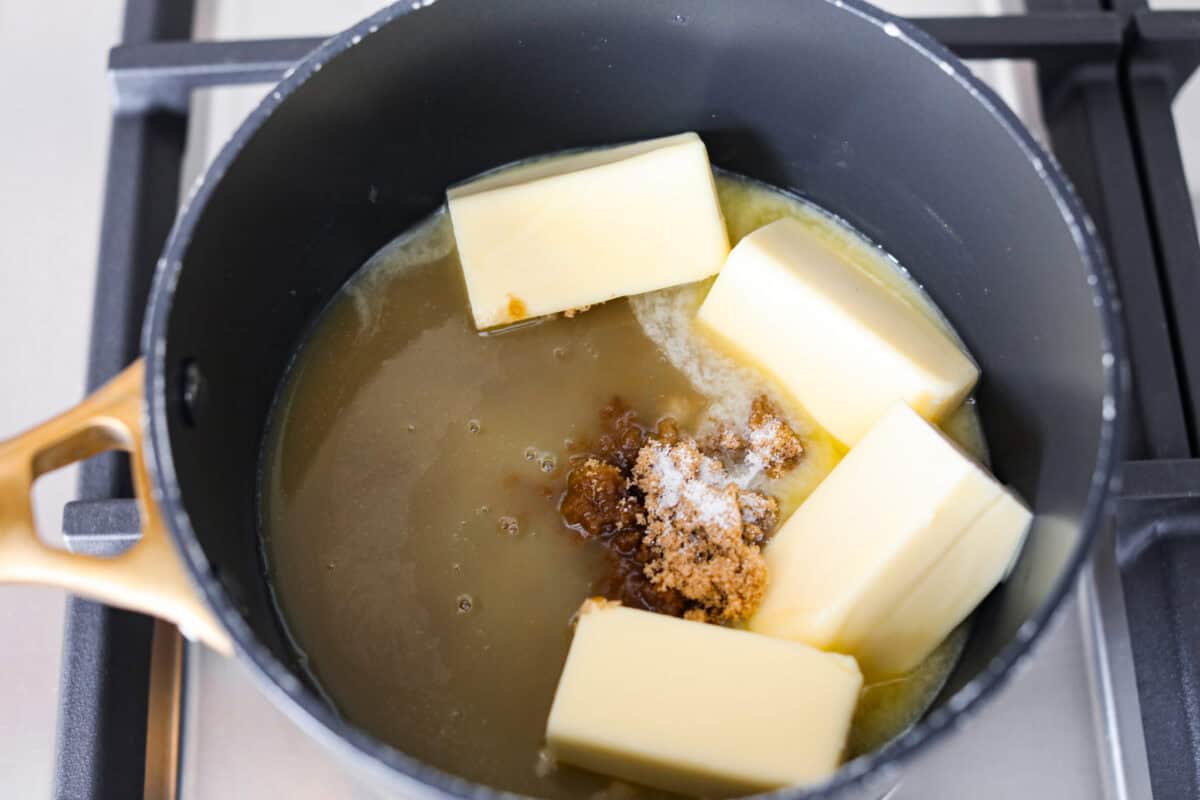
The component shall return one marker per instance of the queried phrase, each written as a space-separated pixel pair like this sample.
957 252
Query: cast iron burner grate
1108 70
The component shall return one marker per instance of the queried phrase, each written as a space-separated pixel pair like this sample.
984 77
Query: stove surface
1068 726
1042 737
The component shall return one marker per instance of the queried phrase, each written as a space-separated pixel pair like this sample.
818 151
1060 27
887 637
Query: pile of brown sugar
703 530
684 535
771 445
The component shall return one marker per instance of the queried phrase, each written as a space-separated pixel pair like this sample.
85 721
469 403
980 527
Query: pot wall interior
807 96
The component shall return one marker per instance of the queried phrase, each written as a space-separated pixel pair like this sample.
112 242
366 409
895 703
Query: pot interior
815 98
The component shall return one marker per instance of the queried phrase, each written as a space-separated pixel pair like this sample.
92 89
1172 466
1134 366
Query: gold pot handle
150 577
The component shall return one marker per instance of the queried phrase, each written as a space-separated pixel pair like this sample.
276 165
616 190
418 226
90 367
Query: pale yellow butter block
980 559
892 550
844 345
697 708
570 231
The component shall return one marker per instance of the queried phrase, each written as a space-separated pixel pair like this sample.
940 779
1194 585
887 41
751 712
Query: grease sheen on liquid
399 440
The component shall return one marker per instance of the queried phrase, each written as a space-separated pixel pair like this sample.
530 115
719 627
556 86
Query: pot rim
403 771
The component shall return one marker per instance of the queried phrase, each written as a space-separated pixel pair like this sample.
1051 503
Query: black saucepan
832 99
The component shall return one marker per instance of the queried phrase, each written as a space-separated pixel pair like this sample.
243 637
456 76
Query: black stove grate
1108 71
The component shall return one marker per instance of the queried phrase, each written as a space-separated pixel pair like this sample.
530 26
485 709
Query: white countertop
53 145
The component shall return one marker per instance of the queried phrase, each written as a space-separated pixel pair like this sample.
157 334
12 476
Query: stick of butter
569 231
844 345
696 708
892 550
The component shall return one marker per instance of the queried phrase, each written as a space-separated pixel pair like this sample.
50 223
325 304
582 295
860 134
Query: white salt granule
670 476
684 475
713 507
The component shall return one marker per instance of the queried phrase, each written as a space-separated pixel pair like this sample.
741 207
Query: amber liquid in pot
400 439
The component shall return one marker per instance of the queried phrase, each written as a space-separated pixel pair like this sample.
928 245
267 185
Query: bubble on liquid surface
465 603
531 453
474 426
547 463
508 525
546 763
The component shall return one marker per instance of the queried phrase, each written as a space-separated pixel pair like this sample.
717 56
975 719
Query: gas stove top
1108 706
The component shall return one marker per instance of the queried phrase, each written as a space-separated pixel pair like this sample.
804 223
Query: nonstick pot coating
865 116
